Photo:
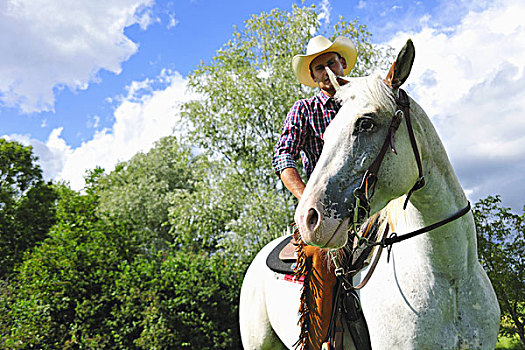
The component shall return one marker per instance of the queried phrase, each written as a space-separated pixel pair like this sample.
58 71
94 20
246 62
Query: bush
93 285
184 301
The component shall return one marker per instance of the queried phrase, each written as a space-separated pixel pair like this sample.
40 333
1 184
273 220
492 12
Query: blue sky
94 82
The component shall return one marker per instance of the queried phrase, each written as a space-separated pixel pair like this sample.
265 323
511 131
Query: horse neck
442 194
441 197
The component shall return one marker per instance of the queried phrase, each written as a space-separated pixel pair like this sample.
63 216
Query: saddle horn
402 66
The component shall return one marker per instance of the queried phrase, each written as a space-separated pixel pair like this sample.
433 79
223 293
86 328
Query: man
304 126
302 135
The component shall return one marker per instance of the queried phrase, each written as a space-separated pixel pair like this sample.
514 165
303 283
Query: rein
387 242
394 238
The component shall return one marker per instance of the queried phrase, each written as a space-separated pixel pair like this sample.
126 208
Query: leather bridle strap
374 263
394 238
387 242
404 104
370 177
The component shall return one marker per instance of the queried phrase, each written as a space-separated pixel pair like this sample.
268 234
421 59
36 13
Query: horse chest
410 305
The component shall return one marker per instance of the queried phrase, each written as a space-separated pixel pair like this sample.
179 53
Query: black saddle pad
276 264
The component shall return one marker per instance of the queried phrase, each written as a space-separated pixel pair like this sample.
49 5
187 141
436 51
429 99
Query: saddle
283 258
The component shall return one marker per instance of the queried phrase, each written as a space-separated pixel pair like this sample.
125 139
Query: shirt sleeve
292 138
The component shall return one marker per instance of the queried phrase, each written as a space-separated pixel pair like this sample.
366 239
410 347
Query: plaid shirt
302 133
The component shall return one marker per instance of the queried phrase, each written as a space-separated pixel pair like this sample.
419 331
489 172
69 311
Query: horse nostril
312 219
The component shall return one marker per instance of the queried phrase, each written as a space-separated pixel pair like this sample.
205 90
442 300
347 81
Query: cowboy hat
318 46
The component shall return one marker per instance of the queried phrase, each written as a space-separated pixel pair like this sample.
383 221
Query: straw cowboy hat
318 46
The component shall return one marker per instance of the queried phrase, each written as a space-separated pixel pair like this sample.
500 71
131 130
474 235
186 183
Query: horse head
349 183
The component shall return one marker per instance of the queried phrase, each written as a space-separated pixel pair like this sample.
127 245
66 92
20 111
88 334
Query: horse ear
402 66
333 79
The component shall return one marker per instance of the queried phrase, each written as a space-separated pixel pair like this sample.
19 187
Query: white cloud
51 44
143 116
51 154
324 15
470 79
93 122
173 21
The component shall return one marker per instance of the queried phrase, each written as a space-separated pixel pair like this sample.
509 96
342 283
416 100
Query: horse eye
365 124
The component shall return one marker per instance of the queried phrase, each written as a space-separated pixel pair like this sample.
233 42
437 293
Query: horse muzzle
321 228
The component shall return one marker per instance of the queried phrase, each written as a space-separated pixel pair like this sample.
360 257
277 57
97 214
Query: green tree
91 285
225 214
142 190
27 204
501 247
62 294
249 86
246 92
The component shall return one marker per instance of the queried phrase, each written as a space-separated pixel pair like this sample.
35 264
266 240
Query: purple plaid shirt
302 133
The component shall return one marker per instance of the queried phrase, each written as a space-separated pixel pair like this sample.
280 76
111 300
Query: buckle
339 272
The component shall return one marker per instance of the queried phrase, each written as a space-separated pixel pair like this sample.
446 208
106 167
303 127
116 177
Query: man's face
332 60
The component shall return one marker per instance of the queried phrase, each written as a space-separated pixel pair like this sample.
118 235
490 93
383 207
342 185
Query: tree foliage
91 285
184 301
143 190
26 204
63 290
249 86
501 246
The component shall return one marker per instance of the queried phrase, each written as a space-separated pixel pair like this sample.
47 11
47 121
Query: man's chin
328 88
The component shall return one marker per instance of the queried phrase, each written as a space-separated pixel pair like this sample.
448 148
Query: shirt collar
324 98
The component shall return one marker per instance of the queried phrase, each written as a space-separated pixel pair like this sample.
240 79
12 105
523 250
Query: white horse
433 293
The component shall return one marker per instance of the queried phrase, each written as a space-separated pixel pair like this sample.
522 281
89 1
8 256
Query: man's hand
293 182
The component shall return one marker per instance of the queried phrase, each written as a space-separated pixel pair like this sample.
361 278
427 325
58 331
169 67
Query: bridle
365 191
